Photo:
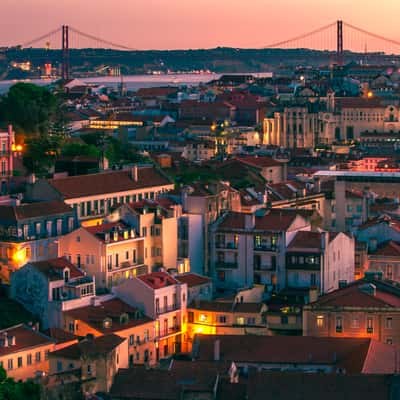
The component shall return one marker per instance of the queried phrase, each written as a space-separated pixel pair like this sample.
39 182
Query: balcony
123 266
168 332
226 265
167 309
265 267
227 245
265 247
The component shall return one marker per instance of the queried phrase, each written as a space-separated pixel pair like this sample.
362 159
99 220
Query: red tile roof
109 182
158 280
310 240
25 338
348 353
192 279
33 210
155 92
358 102
53 268
352 296
96 347
94 316
259 161
388 249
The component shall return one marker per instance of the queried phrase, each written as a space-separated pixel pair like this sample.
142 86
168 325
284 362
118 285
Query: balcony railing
124 265
168 332
226 265
227 245
264 267
264 247
167 309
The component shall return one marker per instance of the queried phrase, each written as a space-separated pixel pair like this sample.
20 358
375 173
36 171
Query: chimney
134 173
11 340
250 221
324 240
217 350
312 294
5 340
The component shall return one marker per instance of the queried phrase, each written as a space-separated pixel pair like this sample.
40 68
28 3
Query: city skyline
205 24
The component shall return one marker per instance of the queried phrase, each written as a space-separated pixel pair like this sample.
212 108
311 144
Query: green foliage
11 390
77 149
40 153
30 108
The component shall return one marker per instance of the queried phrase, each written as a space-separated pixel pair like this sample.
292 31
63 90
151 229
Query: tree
28 107
77 149
11 390
40 153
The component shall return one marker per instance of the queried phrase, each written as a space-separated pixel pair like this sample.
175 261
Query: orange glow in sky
172 24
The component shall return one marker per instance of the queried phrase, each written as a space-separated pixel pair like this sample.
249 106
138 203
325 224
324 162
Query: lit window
203 318
320 321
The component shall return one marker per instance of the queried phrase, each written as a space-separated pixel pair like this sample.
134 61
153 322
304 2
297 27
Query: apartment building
163 298
24 352
7 149
367 308
157 222
30 232
112 315
94 195
320 259
47 288
250 248
199 287
111 252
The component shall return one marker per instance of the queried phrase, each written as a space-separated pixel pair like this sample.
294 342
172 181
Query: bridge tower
339 43
65 52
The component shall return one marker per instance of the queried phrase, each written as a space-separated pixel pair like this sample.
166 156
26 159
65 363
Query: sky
183 24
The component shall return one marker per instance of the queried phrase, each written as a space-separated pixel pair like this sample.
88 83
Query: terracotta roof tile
108 182
33 210
53 268
158 280
192 279
259 161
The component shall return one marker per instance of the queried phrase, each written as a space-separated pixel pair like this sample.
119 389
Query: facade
47 288
368 308
7 149
94 195
320 259
114 316
271 170
250 248
111 252
30 232
93 362
164 299
199 287
24 352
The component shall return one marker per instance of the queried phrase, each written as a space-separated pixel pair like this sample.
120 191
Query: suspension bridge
338 37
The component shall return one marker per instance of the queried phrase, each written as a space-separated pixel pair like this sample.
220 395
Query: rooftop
192 279
158 280
108 182
53 268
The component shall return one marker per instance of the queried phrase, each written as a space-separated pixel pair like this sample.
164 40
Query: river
134 82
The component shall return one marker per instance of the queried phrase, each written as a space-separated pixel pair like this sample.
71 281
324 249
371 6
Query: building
93 362
7 149
298 353
30 232
250 248
111 252
367 308
163 298
47 288
93 195
24 352
321 259
271 170
199 287
103 317
225 318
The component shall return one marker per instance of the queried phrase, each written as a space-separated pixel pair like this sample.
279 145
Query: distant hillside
88 61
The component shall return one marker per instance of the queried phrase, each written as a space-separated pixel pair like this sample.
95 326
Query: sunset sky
172 24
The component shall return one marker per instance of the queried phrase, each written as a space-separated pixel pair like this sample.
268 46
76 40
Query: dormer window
107 323
124 318
66 275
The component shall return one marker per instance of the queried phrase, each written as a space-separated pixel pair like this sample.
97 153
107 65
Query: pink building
7 147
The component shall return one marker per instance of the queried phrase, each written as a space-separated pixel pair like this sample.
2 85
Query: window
349 208
389 272
370 325
49 228
19 362
59 366
388 323
157 305
46 354
71 326
131 339
222 319
190 317
355 323
313 279
10 364
203 318
320 321
29 359
89 369
38 228
37 356
251 321
389 340
240 321
144 231
284 319
339 324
